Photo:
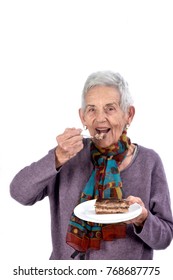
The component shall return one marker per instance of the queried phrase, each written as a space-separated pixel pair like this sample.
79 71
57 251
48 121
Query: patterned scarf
105 182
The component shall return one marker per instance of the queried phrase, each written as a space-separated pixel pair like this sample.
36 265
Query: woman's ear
131 113
82 117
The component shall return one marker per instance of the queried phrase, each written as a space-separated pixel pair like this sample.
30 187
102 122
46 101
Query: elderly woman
105 165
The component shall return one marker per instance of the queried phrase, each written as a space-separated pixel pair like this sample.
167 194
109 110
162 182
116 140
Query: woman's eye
110 109
90 110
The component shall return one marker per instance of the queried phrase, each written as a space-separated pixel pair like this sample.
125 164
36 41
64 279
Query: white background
47 50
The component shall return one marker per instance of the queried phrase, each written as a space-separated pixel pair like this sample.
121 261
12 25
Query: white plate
86 212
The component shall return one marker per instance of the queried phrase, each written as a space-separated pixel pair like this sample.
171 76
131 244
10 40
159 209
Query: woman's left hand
138 221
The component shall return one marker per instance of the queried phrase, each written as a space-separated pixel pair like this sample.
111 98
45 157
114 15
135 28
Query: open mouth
101 133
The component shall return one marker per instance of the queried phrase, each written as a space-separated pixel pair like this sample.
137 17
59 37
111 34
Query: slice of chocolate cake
111 206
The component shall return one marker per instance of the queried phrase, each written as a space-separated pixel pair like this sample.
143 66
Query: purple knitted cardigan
143 177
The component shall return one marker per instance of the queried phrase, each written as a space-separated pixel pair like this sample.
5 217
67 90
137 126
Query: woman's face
103 114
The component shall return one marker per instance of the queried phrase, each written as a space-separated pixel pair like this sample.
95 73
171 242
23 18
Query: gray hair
111 79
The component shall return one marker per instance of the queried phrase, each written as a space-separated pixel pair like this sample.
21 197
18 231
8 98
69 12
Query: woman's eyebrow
108 104
90 105
111 104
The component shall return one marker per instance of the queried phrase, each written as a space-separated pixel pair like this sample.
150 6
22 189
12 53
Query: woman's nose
100 116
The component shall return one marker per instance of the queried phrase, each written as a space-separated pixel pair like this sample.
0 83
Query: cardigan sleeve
157 231
31 183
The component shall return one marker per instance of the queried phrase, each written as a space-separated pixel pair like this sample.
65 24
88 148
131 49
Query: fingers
70 142
139 221
143 216
135 199
69 133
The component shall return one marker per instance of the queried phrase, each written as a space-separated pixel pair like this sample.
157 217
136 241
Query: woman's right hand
69 144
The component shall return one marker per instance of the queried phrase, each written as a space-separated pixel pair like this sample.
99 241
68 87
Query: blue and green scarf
105 182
